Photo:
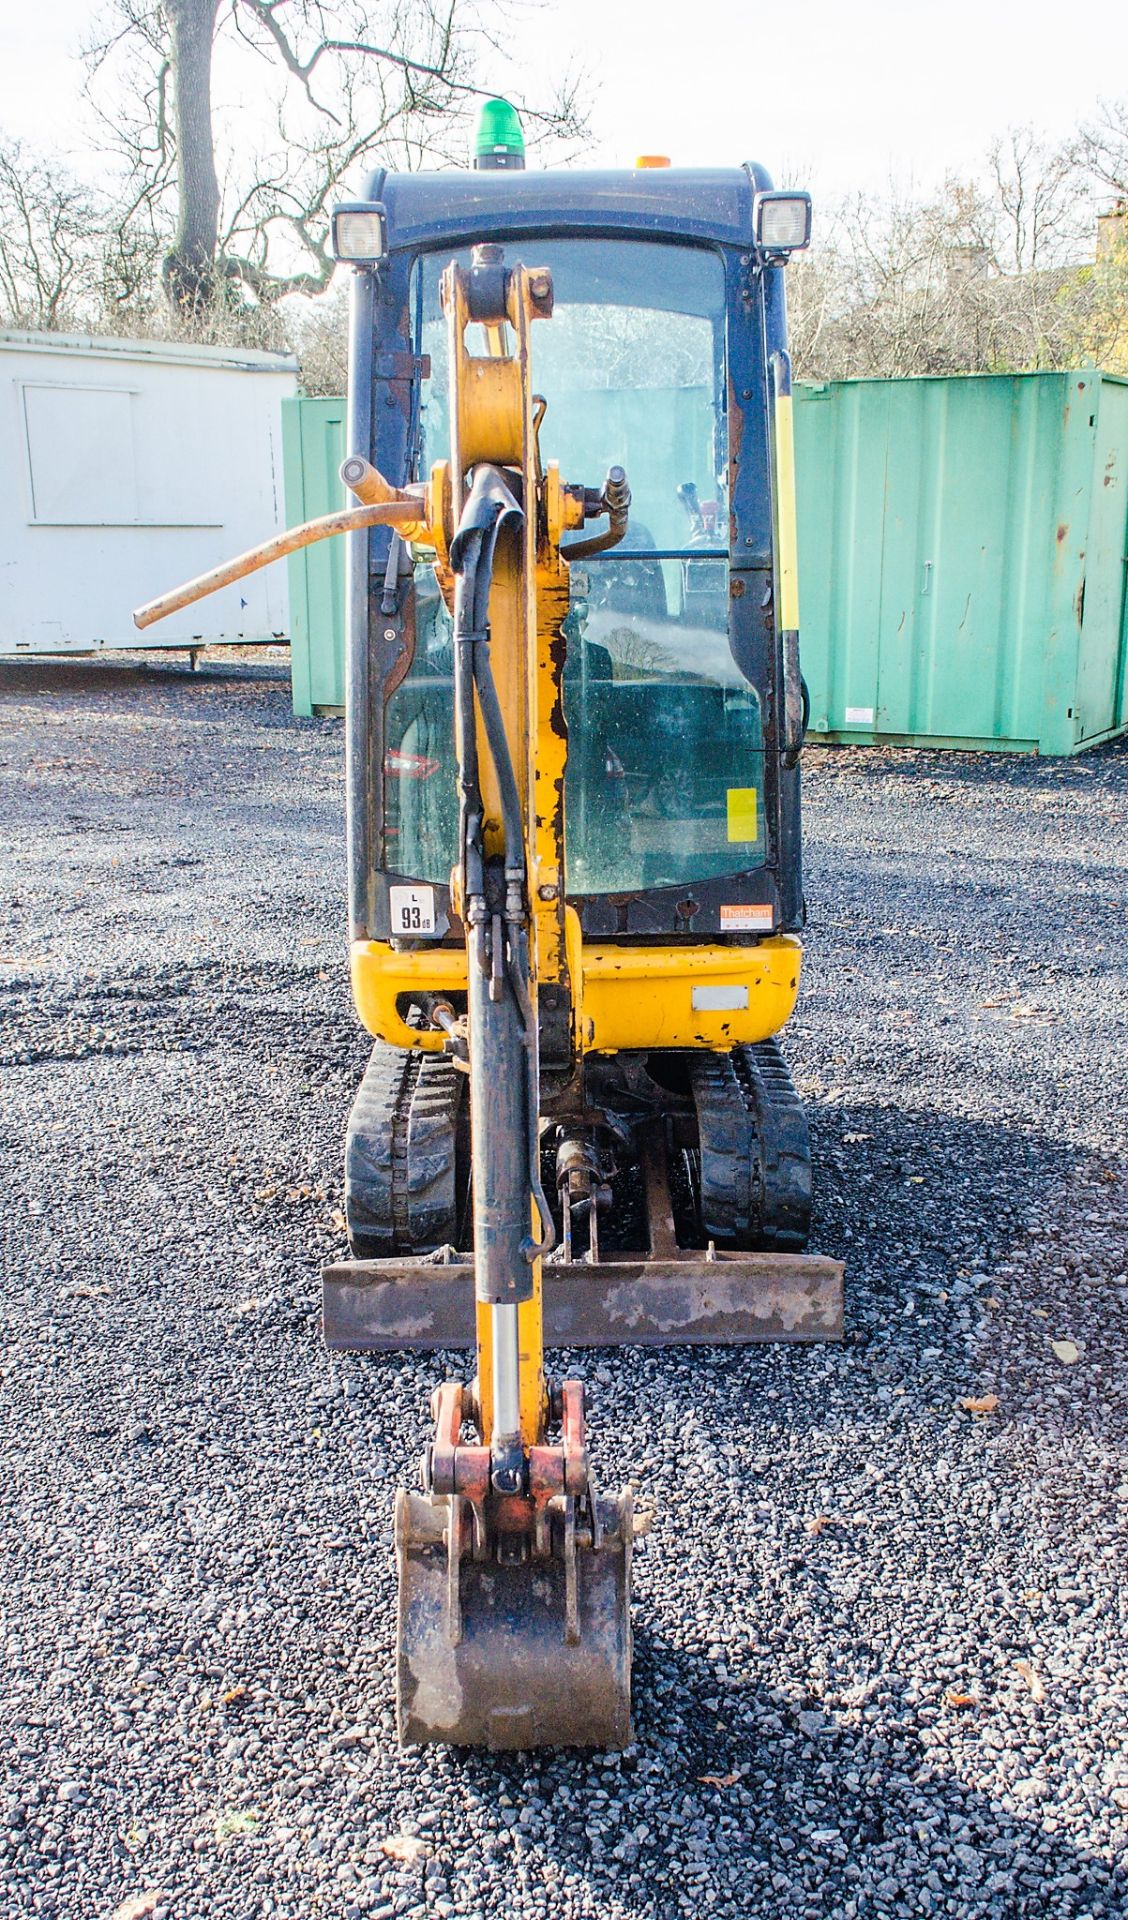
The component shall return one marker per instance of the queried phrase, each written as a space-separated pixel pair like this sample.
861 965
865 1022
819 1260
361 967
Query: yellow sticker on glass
742 817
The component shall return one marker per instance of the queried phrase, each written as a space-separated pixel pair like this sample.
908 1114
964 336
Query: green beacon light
498 139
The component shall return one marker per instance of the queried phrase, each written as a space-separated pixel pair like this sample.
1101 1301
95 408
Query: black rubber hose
474 550
518 971
503 762
473 554
469 781
483 574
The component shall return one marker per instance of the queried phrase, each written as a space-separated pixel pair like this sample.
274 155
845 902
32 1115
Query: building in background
127 466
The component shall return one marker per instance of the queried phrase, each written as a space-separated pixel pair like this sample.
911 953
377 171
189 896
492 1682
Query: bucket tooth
533 1653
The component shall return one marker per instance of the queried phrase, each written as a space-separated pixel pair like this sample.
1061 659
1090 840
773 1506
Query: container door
1102 692
979 563
841 434
313 443
940 579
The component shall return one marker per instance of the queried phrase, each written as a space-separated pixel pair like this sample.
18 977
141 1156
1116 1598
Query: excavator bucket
536 1653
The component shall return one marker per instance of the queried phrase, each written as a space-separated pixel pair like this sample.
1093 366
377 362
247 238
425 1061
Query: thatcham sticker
746 919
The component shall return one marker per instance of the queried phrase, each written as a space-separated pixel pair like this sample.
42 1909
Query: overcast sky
857 92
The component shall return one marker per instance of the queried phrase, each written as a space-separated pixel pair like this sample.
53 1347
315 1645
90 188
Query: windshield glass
665 766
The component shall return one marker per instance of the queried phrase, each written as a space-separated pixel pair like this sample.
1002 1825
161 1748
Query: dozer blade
734 1299
531 1654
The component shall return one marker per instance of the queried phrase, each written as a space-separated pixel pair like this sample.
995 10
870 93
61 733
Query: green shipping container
962 548
313 447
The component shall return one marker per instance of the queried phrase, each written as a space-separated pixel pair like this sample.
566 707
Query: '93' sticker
412 909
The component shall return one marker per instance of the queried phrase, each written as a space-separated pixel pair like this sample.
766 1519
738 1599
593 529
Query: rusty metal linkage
466 1673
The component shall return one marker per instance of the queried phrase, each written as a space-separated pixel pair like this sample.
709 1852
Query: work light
782 221
498 141
360 234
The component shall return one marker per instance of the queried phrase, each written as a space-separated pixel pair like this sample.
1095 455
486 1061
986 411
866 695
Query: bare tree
50 232
1039 202
319 336
885 290
980 278
1102 147
189 266
346 82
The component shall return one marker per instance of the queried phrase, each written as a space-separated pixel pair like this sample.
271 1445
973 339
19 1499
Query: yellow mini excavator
575 887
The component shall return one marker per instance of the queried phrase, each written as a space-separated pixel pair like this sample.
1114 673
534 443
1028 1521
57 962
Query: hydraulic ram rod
386 513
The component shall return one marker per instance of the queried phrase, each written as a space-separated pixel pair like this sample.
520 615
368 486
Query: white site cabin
127 466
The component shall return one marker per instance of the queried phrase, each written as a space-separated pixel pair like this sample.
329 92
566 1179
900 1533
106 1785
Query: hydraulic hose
471 849
489 505
502 760
518 971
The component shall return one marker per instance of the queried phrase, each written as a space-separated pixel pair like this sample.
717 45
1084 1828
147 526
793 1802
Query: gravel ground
881 1646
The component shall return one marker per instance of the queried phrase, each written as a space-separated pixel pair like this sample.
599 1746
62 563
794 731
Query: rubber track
755 1154
400 1154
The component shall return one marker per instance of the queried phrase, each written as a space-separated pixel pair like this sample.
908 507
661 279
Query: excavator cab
574 715
665 357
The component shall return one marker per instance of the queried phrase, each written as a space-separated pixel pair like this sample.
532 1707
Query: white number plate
412 909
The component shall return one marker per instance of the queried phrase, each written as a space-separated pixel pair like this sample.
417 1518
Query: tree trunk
189 267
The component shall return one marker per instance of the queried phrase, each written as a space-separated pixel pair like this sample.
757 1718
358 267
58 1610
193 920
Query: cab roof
685 203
